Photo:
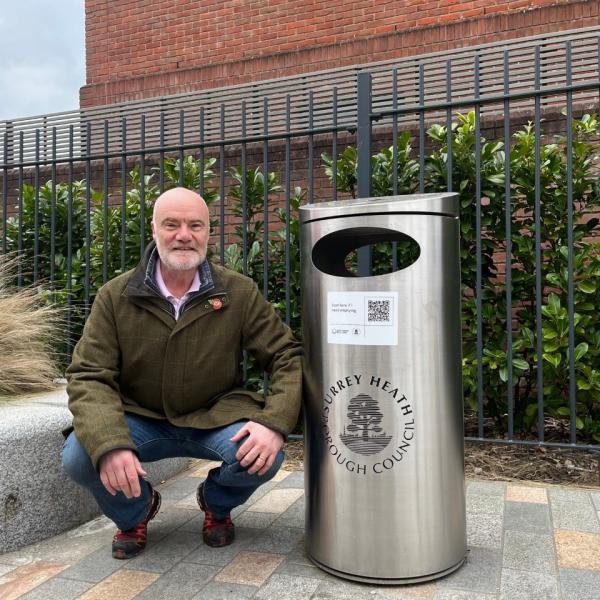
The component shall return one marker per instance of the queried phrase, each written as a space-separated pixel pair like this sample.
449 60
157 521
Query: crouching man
156 375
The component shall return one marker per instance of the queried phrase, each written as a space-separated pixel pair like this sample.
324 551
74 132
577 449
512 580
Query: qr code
378 311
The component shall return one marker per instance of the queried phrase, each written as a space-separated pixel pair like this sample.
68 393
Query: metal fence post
363 144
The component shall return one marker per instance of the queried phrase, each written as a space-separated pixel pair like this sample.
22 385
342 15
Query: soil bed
508 463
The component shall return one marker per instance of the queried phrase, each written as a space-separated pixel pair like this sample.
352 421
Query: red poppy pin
215 303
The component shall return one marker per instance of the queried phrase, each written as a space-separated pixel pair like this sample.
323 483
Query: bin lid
443 204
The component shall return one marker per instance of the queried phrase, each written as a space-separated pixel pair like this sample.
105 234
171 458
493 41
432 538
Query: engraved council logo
364 433
367 416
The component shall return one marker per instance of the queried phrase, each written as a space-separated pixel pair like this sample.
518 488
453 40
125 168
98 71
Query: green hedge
552 228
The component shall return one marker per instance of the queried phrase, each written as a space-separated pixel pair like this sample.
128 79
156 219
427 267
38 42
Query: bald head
180 227
178 198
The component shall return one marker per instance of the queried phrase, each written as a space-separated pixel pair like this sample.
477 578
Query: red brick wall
143 48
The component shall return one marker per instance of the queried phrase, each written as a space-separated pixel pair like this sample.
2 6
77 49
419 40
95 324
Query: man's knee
76 462
274 467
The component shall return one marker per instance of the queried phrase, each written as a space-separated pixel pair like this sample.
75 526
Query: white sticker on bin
362 318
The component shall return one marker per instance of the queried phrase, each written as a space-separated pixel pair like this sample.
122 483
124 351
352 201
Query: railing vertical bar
123 191
508 253
266 199
36 210
570 255
20 216
244 167
538 252
334 143
52 210
422 129
449 125
311 140
222 184
363 145
5 189
143 185
288 189
161 154
201 182
105 207
88 215
70 243
394 139
395 156
478 282
181 144
244 195
266 209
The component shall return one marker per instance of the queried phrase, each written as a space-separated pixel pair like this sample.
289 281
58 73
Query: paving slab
490 488
295 479
225 591
301 570
576 516
65 589
277 501
525 585
485 504
287 587
516 552
573 496
250 568
577 584
529 552
527 516
121 585
423 591
162 557
184 580
279 540
462 595
94 567
6 569
484 530
206 555
178 489
578 550
340 589
526 493
480 573
256 520
294 516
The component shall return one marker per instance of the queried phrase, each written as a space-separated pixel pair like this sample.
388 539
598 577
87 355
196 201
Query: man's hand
120 470
259 450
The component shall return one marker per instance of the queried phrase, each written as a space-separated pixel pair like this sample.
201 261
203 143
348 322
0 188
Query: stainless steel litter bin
384 442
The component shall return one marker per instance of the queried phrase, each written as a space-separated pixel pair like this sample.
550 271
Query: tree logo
366 436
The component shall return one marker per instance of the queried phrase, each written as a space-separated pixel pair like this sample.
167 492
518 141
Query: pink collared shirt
176 302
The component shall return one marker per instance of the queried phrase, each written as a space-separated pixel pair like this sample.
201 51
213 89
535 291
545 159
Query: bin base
398 581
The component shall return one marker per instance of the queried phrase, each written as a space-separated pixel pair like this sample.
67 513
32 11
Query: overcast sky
42 56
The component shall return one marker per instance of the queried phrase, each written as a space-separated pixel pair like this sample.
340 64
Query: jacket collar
142 283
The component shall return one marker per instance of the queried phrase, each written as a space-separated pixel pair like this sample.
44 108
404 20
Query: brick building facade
139 49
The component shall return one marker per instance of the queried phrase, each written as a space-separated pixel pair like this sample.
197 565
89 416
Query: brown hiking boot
127 544
215 532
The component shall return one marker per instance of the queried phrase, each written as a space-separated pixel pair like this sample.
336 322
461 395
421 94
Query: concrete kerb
37 499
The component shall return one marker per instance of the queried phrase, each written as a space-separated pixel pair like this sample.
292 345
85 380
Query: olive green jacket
135 357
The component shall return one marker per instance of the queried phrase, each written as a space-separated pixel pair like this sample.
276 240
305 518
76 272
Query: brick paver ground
525 542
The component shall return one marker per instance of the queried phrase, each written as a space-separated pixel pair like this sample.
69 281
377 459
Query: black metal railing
91 219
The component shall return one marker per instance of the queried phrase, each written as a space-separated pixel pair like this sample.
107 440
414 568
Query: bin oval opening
335 253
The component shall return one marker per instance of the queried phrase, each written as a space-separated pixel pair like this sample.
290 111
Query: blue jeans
226 486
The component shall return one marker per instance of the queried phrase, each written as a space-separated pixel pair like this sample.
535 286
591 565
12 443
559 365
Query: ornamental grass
27 330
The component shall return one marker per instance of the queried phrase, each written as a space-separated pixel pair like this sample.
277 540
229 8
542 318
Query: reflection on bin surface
384 408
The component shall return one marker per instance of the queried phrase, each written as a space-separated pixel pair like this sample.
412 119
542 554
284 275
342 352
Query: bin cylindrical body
384 440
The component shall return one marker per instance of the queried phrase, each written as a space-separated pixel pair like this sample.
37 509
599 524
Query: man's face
180 228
